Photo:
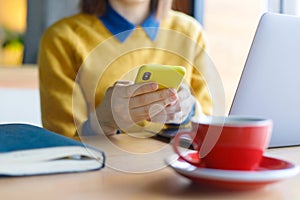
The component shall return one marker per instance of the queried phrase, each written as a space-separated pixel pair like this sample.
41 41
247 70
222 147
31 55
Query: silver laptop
270 82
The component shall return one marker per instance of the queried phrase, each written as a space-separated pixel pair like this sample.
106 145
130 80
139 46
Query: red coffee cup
230 143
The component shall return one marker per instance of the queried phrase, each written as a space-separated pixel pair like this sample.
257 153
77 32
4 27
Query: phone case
167 76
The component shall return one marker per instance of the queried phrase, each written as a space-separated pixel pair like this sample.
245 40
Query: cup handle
177 143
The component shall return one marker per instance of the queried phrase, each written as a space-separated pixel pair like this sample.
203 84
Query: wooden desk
154 181
162 183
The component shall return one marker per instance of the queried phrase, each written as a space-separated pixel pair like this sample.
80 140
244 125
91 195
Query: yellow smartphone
167 76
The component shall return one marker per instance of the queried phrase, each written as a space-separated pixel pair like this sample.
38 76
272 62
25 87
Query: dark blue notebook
30 150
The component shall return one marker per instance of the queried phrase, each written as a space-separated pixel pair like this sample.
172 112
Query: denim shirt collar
122 29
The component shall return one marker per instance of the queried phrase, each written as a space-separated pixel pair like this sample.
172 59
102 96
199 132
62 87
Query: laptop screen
270 82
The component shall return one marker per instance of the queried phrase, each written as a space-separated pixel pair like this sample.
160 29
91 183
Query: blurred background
230 27
12 28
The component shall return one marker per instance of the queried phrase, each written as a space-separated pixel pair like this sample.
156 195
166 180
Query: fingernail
154 86
172 90
173 97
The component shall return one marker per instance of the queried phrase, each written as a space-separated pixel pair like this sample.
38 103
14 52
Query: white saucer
269 171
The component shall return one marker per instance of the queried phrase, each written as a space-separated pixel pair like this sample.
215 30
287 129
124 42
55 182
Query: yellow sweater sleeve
57 74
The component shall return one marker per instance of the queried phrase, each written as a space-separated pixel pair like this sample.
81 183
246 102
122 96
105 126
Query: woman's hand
126 103
177 113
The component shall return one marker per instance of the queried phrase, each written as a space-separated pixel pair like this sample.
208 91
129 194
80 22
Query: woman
83 58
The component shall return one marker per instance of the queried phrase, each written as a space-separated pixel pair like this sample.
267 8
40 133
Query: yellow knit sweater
79 59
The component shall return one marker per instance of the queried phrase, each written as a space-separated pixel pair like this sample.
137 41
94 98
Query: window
284 6
230 27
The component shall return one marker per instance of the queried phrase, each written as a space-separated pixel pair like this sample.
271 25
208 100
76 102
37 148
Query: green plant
12 38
